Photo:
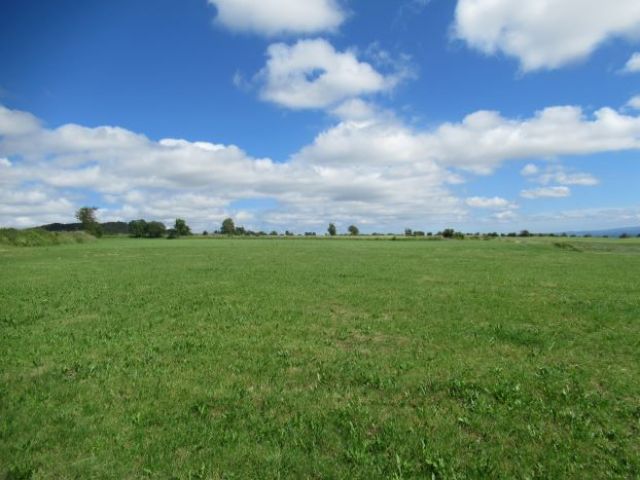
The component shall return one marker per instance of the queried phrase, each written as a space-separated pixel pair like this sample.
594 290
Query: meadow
318 358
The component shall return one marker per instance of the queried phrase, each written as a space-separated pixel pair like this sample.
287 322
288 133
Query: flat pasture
320 358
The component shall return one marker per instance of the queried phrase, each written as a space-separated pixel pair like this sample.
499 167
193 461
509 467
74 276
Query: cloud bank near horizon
377 172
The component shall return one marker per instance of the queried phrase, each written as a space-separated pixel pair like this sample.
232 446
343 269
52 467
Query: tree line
142 228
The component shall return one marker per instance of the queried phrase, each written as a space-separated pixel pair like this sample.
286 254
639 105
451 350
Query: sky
479 115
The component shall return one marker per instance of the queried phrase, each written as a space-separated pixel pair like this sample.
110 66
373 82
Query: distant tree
87 217
155 229
273 233
448 233
524 233
138 228
228 227
624 235
353 230
332 230
309 234
205 233
407 232
241 231
288 233
418 233
172 233
181 227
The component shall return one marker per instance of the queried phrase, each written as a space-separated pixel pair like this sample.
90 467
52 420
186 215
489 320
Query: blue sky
476 114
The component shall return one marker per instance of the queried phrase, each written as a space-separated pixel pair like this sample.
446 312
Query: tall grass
36 237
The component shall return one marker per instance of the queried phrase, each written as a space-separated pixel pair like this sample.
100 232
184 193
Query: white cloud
552 132
355 109
529 169
634 102
545 34
505 216
488 202
312 74
546 192
633 64
26 207
15 122
560 176
586 219
273 17
370 168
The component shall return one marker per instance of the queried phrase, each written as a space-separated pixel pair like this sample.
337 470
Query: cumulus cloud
355 109
370 168
529 169
16 123
545 34
274 17
633 64
202 180
505 216
488 202
558 175
312 74
546 192
634 102
552 132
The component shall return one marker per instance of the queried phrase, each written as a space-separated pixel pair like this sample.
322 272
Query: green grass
272 358
35 237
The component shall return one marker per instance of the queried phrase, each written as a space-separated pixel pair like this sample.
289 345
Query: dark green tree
353 230
228 227
181 227
332 230
138 228
156 229
448 233
87 217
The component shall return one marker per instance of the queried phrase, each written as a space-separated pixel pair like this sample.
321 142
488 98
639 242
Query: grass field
268 358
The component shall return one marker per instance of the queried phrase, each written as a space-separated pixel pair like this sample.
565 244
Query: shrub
138 228
155 229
